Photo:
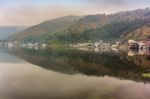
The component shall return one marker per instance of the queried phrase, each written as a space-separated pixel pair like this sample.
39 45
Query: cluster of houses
139 44
19 44
131 44
98 44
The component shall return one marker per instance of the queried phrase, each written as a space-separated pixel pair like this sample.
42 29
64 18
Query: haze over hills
119 26
48 27
6 31
100 20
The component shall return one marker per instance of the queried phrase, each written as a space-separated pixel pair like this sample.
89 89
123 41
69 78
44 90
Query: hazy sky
31 12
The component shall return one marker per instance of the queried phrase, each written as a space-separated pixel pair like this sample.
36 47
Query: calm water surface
58 73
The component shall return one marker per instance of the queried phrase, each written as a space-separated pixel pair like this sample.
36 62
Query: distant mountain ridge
99 20
109 27
6 31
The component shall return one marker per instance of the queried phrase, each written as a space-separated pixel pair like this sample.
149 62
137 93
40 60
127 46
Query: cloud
115 2
107 2
31 15
23 12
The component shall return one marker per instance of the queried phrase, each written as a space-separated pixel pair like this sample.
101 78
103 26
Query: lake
66 73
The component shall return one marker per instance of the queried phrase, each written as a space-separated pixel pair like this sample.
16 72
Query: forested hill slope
48 27
109 27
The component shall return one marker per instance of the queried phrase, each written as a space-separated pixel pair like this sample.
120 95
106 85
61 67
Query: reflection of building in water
83 49
98 46
95 49
132 52
143 52
102 49
139 60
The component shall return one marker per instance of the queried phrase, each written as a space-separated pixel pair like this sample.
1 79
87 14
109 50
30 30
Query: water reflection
8 58
142 52
30 80
72 61
140 58
95 49
19 81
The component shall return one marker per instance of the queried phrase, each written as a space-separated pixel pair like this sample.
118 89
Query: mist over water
81 76
8 58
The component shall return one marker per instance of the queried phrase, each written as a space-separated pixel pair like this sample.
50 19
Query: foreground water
58 73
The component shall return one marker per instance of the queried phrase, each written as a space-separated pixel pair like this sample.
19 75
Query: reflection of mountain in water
8 58
89 63
139 57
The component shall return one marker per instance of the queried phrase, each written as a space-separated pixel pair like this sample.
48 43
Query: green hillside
47 27
119 26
